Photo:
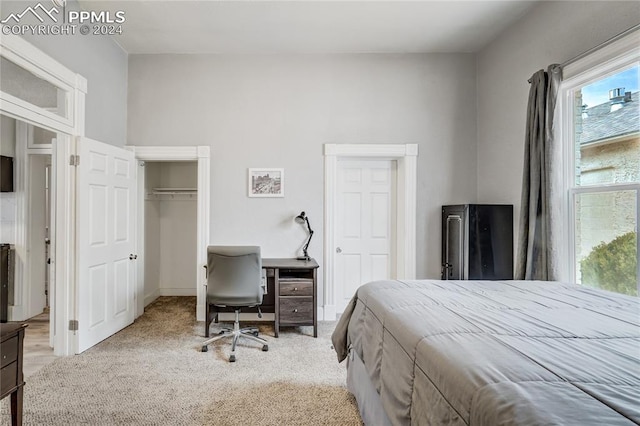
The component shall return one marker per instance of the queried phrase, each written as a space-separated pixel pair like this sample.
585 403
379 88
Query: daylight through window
606 180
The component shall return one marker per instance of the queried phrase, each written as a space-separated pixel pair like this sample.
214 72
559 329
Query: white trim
63 255
610 53
202 155
168 153
37 62
33 60
406 157
18 108
609 60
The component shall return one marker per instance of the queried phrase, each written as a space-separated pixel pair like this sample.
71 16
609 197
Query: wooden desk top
289 263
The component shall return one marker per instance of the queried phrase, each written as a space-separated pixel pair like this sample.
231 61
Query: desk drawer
296 288
9 351
296 310
8 378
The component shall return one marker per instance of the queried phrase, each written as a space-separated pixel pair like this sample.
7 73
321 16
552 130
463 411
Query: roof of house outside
601 123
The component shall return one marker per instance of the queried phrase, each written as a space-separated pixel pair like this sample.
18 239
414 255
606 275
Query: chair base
236 332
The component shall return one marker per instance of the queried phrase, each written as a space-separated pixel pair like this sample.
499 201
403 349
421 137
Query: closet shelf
172 193
175 190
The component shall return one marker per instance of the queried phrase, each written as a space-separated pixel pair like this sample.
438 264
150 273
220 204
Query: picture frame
266 182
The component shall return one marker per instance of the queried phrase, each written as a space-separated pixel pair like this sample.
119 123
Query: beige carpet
153 373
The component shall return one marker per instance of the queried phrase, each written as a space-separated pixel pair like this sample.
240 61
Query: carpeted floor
153 373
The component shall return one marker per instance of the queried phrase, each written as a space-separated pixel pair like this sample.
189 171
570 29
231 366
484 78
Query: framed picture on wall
266 182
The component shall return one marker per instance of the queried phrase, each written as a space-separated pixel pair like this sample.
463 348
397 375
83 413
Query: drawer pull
295 310
295 289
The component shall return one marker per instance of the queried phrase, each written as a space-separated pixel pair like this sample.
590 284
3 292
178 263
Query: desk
294 287
11 378
291 294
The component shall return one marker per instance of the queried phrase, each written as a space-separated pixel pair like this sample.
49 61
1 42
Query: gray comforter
497 353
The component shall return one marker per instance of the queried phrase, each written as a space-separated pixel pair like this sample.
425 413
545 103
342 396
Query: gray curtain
535 242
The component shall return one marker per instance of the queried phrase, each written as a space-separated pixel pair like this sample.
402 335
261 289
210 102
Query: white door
365 226
106 212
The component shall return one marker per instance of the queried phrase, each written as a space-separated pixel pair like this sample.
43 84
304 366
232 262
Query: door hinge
73 325
74 160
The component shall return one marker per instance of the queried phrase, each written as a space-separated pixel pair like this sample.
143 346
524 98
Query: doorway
365 224
198 156
170 229
404 237
26 225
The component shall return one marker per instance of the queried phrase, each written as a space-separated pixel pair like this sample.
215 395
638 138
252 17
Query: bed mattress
496 352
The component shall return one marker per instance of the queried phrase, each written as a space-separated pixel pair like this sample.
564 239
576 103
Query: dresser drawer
8 377
9 351
296 310
296 288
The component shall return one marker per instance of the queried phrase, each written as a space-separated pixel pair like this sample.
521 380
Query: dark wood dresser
11 377
295 288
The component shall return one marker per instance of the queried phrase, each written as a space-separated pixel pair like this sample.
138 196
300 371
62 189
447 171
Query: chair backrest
234 275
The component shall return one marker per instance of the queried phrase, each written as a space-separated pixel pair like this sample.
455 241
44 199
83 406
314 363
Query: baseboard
148 298
330 313
165 291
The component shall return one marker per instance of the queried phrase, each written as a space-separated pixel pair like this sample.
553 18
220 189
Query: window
602 143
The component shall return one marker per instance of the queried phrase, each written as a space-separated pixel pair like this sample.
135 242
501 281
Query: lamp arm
306 246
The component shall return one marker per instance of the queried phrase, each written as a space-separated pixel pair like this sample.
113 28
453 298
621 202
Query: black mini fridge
477 242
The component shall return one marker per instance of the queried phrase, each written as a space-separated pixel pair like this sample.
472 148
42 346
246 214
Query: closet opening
170 228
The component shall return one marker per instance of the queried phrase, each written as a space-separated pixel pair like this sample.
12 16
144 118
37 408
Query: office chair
234 275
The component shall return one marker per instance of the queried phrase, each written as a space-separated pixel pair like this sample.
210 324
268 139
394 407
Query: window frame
609 60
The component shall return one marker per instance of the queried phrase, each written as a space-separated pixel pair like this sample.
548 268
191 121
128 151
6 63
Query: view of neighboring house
608 140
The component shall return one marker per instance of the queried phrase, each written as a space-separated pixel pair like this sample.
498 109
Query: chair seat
234 280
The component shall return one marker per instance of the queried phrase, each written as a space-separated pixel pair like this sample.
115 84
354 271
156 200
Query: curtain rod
601 45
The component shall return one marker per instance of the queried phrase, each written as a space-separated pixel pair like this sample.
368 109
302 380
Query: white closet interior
170 229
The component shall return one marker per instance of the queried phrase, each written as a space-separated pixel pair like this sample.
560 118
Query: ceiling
187 26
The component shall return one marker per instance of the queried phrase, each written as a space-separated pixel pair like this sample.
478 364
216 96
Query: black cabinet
477 242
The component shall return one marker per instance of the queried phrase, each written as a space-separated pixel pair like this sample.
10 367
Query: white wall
101 61
278 111
552 32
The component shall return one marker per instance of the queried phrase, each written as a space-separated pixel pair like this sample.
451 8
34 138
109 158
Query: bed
491 353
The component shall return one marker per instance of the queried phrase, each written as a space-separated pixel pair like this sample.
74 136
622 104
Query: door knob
338 250
133 256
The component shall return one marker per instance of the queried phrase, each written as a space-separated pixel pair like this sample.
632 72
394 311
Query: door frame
201 154
63 255
406 186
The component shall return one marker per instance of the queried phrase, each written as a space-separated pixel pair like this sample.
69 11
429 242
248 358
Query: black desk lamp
302 218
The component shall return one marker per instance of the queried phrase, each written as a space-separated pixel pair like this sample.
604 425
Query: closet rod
601 45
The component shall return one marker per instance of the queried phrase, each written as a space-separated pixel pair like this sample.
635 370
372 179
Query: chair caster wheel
232 358
204 349
221 332
265 348
255 333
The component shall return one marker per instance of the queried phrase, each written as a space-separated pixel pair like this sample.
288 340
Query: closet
170 224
